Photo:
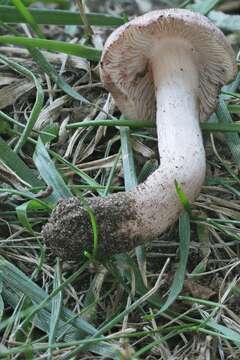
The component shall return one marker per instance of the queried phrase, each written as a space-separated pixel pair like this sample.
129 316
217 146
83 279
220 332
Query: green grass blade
205 6
161 340
52 73
1 301
53 45
110 324
233 86
130 181
231 94
111 175
148 168
16 283
15 163
49 133
37 107
49 173
64 3
177 285
90 181
207 127
23 10
227 332
9 14
233 140
183 198
224 21
31 205
221 127
131 268
56 309
234 109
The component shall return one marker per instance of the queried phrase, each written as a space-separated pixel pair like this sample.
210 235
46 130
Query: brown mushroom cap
125 66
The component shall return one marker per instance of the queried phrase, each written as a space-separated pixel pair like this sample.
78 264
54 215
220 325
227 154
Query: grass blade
111 175
52 73
221 127
49 173
16 283
233 140
177 285
56 309
53 45
90 181
27 16
15 163
205 6
37 107
1 301
130 181
9 14
22 212
226 22
207 127
119 316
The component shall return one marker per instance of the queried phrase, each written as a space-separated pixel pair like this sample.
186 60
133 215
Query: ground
175 298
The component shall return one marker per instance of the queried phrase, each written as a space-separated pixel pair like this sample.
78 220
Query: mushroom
169 65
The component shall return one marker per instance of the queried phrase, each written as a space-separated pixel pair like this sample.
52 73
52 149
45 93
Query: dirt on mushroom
76 235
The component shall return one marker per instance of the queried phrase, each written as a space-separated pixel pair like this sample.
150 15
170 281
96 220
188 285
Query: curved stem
182 155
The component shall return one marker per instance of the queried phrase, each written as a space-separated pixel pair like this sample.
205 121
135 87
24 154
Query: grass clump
63 136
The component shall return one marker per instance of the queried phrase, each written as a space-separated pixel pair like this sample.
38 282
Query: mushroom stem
125 220
182 155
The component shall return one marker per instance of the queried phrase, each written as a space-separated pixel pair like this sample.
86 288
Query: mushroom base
69 230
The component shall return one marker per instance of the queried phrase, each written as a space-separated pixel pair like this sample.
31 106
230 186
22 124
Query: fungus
167 65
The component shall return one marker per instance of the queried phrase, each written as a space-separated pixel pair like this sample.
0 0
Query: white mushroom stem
180 144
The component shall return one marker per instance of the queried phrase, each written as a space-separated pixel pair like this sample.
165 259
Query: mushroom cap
125 66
